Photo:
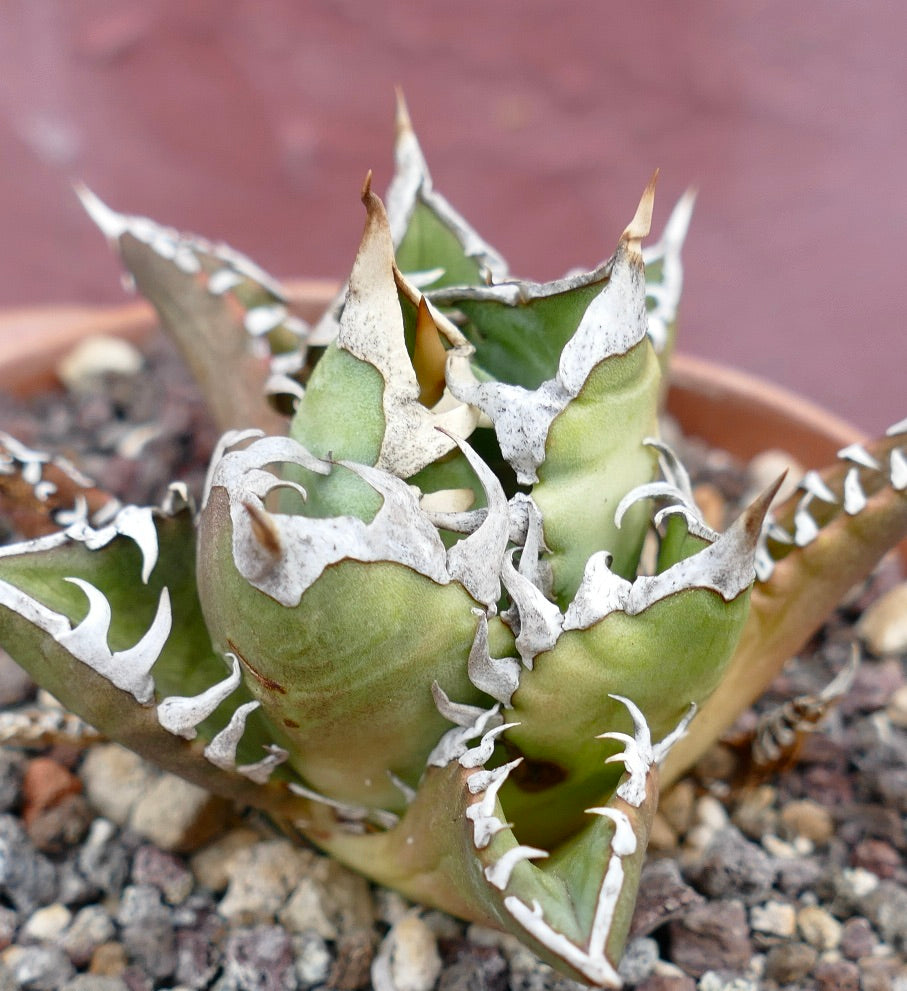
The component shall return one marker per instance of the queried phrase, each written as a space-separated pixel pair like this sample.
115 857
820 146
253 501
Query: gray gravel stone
638 960
38 968
27 878
886 908
714 936
857 938
475 968
837 975
789 963
95 982
164 871
103 859
9 923
146 929
732 866
90 927
258 959
12 770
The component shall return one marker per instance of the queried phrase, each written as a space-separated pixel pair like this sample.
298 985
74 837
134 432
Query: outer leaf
45 626
219 308
833 540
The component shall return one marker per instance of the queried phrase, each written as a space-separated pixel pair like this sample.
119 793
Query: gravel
797 882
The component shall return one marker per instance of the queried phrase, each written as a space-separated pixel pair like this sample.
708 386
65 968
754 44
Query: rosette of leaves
448 601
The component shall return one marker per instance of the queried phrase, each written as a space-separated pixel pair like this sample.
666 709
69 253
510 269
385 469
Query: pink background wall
255 120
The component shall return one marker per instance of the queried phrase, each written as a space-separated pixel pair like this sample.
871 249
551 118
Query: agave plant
410 618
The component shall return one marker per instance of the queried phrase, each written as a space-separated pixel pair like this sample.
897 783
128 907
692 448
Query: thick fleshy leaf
342 625
458 846
117 650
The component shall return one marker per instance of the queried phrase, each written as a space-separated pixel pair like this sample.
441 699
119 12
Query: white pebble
819 928
46 924
96 356
883 627
775 918
408 959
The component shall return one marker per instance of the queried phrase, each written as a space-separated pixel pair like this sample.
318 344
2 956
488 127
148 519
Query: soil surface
796 880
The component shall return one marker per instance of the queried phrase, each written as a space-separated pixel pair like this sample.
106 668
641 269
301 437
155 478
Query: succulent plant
410 618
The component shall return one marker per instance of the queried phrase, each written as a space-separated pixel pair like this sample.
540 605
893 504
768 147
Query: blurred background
254 121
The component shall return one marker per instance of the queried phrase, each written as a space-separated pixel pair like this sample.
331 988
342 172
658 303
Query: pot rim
735 410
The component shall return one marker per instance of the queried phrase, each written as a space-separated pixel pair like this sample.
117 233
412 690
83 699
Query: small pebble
109 959
9 923
27 878
638 961
176 815
46 924
857 938
819 928
12 771
789 963
261 879
877 856
146 930
95 982
212 864
837 975
84 368
883 627
809 819
408 958
732 866
90 928
774 918
164 871
714 936
38 968
258 959
114 780
313 959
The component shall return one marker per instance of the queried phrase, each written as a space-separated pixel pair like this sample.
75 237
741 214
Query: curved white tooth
485 824
481 753
127 669
897 428
624 841
261 770
498 874
540 621
805 527
638 755
261 320
453 744
455 712
498 677
764 563
898 466
475 561
137 522
859 456
813 483
221 751
223 280
181 714
854 496
660 750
